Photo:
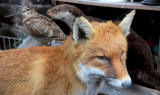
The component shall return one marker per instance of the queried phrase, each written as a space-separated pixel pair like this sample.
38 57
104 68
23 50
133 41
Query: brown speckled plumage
40 25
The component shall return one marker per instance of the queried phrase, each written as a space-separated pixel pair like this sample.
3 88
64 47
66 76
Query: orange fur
52 70
113 43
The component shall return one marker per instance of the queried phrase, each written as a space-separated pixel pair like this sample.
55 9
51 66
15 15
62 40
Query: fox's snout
127 83
122 83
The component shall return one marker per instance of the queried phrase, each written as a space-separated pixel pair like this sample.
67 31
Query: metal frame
9 42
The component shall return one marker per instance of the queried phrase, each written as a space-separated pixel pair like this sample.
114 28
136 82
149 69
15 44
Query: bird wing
42 26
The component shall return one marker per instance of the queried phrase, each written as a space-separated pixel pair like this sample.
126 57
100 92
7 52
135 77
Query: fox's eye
103 59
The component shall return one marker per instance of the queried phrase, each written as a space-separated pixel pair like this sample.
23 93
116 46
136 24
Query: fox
94 54
140 63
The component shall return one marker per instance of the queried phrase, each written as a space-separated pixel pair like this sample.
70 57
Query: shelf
20 6
124 5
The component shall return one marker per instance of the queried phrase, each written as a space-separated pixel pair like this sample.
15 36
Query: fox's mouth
126 82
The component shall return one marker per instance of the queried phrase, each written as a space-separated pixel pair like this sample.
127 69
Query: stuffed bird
40 25
41 29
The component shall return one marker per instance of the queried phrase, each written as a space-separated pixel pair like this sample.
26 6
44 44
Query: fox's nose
127 82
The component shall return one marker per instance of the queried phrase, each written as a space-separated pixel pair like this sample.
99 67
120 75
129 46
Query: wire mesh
9 42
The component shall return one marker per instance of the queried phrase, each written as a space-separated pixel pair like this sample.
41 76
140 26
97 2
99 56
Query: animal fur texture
140 62
94 54
140 59
67 14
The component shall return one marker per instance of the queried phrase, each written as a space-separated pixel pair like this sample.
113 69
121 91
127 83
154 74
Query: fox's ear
82 29
126 23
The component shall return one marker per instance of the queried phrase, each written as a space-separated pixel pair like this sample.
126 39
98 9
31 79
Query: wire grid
9 42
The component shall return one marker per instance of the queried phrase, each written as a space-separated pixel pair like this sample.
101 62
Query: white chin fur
85 71
126 82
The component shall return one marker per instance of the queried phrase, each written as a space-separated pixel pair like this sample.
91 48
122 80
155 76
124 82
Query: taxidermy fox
93 55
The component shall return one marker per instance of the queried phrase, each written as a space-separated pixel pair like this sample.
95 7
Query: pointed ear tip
133 12
81 18
78 18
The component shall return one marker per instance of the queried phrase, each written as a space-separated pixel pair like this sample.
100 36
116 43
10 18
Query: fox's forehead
108 38
105 27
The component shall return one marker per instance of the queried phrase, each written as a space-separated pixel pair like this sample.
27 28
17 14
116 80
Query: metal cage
9 42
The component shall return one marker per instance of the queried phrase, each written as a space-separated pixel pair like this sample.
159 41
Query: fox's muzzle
126 82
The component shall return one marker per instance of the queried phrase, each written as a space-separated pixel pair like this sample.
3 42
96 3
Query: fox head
101 50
